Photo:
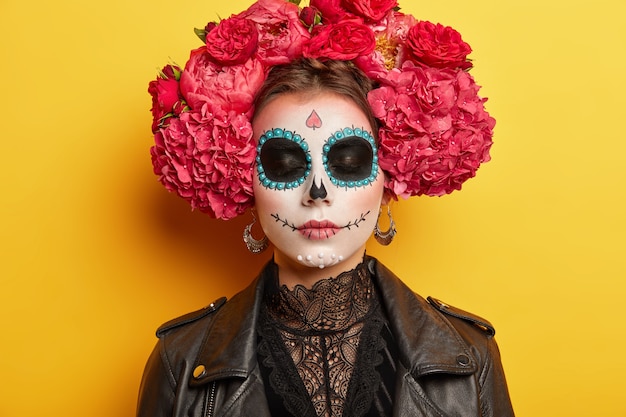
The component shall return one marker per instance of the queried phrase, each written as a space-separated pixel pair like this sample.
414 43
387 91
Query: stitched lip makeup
318 230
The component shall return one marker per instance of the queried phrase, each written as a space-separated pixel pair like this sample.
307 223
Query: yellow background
96 254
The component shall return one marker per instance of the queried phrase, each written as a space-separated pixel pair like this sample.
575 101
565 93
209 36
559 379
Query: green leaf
201 33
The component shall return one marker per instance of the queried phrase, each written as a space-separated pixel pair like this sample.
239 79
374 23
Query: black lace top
326 351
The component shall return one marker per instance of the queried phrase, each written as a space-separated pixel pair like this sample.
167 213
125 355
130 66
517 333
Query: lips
318 230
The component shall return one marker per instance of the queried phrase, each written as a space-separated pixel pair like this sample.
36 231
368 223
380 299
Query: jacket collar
428 342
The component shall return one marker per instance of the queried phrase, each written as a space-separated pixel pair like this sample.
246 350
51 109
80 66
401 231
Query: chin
320 260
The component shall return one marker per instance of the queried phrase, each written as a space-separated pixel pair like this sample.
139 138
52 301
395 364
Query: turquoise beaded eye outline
351 133
278 133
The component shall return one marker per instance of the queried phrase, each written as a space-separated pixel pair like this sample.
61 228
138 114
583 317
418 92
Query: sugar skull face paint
317 187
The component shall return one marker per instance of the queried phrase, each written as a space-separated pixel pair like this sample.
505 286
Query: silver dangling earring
254 245
385 238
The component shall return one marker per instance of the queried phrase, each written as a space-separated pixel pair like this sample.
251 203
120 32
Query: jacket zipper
211 400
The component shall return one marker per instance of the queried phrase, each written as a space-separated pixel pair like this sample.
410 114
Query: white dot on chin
320 255
300 258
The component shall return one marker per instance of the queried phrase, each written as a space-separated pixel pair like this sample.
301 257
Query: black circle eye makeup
350 160
349 156
283 159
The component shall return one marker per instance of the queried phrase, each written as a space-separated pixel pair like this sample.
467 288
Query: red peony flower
209 27
282 34
310 16
438 46
331 10
232 42
344 41
165 94
232 88
434 130
372 10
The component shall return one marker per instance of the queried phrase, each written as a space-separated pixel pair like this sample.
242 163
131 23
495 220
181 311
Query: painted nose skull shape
317 192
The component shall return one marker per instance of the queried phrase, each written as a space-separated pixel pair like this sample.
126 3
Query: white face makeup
317 186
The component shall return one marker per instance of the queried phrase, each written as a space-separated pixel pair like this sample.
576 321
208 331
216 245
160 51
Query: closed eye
350 159
283 160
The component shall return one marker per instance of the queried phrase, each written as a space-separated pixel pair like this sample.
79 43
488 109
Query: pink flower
372 10
232 42
435 131
282 34
401 158
231 88
343 41
224 164
171 155
207 157
165 94
438 46
390 51
395 110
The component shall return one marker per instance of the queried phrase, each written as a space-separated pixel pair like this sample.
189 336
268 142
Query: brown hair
307 75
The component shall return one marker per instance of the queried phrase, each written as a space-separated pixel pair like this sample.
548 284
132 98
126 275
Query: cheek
264 205
268 202
366 199
371 196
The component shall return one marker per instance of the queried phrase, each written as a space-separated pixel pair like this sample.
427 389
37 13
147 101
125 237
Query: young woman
324 330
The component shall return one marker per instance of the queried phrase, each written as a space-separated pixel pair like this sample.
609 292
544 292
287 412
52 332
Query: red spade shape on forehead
313 121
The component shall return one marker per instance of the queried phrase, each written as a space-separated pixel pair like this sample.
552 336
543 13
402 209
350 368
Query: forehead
313 117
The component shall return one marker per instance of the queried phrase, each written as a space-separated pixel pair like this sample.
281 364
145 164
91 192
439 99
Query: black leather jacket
204 363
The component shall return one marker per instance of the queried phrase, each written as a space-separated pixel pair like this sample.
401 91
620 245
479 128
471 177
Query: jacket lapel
427 342
229 347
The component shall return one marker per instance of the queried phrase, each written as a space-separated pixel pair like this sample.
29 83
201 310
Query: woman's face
317 185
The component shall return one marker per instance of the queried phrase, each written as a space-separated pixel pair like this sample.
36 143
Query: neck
292 273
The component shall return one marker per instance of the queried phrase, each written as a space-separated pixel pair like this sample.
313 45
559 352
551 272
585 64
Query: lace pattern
321 345
333 304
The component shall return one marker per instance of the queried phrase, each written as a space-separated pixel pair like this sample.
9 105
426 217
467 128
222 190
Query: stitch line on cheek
294 228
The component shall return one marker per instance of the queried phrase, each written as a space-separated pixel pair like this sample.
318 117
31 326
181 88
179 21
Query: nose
316 192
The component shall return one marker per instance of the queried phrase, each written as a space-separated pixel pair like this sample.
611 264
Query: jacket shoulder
191 317
478 322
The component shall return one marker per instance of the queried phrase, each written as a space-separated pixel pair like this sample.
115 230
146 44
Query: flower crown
433 132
